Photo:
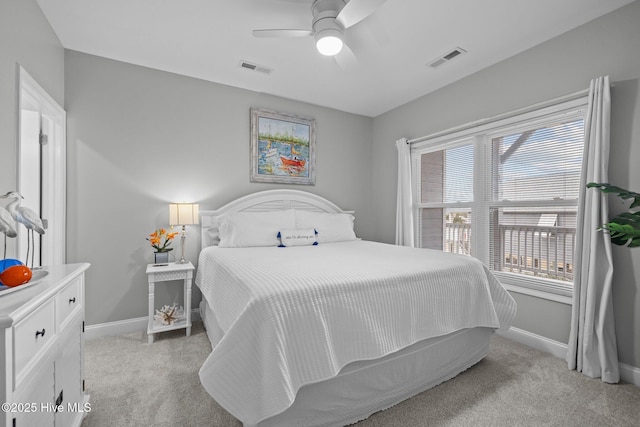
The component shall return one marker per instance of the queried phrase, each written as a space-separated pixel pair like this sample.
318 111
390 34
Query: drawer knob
72 300
40 333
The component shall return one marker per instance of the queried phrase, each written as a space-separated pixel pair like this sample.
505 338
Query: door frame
53 201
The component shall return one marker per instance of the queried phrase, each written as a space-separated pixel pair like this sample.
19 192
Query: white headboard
263 201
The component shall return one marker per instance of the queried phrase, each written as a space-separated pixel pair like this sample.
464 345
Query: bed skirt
365 387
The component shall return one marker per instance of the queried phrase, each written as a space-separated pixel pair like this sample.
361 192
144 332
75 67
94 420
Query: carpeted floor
133 383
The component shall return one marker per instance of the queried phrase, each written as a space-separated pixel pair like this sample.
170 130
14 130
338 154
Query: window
446 195
506 192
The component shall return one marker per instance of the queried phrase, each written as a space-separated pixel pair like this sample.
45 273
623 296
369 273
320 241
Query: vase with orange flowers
160 240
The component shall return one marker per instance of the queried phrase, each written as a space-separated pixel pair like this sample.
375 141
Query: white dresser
42 350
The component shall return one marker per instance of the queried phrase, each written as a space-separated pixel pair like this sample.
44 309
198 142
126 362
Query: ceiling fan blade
356 10
281 33
346 59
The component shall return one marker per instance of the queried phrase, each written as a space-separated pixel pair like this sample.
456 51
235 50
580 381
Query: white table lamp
183 214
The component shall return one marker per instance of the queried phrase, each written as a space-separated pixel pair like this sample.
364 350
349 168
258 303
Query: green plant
624 228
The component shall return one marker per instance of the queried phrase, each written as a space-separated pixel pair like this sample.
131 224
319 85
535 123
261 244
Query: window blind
507 194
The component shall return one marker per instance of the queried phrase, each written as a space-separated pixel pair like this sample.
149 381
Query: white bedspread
297 315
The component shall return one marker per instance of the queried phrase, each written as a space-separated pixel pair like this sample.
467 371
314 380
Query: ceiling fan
330 19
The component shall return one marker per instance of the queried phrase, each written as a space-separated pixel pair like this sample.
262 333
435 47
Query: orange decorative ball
15 275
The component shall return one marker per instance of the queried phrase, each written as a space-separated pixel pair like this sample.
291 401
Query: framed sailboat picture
283 148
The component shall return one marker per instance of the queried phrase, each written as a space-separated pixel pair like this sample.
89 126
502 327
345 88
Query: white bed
331 333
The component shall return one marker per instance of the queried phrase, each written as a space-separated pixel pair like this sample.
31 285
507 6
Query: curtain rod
564 98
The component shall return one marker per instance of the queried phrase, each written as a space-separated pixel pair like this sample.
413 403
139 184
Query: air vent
255 67
443 59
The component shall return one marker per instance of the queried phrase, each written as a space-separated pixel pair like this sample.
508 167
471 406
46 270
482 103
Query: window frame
480 134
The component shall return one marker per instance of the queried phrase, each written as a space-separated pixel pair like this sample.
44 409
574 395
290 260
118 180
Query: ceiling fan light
329 42
329 45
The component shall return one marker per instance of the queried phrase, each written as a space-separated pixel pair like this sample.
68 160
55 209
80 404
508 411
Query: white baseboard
536 341
628 373
121 327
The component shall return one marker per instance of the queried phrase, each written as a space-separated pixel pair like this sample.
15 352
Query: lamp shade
183 213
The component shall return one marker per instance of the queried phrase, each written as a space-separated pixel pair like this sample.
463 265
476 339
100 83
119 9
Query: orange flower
160 240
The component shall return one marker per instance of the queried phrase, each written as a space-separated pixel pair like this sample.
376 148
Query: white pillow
331 227
298 237
214 236
246 229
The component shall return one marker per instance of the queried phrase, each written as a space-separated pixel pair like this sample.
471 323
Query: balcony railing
457 238
532 250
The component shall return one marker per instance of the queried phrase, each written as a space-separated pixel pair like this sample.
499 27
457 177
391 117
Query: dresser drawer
68 301
32 334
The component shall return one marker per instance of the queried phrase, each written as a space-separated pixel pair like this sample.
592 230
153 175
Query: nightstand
162 273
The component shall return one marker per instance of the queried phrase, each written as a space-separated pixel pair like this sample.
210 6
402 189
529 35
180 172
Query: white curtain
404 208
592 340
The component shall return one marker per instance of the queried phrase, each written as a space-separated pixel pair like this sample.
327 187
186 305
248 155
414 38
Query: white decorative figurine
26 217
7 227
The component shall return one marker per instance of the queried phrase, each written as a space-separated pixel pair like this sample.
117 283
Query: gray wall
140 138
565 64
26 38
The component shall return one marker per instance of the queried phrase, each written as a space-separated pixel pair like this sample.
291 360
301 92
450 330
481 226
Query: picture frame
283 148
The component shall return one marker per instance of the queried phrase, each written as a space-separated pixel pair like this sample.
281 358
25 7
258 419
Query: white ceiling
207 39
